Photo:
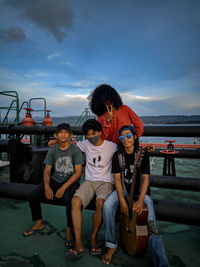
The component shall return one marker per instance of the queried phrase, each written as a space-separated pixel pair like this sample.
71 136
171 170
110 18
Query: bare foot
107 257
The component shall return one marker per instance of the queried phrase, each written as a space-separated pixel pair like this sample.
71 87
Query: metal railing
13 106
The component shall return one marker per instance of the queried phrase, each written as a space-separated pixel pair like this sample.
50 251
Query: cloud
130 97
164 105
13 34
53 15
37 75
77 96
66 63
83 84
53 56
71 98
181 101
67 104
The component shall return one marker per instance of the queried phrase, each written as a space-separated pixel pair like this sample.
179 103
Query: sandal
74 254
96 250
30 232
69 243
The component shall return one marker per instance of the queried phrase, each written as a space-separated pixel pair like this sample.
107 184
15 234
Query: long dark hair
100 96
136 142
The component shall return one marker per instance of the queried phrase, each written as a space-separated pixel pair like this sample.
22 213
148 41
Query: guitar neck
130 204
137 161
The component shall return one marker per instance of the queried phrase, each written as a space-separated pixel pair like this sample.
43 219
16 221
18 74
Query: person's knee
33 197
68 200
106 206
76 203
36 194
152 229
148 201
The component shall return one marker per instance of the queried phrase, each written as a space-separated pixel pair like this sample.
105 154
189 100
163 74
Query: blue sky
148 50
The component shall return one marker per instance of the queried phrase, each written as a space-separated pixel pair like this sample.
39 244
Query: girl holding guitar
125 177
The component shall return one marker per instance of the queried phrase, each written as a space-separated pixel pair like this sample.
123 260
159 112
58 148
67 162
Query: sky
61 50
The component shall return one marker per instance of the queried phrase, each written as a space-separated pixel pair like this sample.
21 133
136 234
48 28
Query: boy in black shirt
125 155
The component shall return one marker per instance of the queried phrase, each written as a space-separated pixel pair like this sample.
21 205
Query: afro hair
100 96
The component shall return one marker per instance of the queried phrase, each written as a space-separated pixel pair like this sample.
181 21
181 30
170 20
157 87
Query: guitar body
134 233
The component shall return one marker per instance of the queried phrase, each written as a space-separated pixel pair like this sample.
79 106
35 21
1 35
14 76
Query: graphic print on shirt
64 166
96 160
128 173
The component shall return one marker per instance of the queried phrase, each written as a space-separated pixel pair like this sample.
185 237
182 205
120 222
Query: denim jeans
110 207
157 250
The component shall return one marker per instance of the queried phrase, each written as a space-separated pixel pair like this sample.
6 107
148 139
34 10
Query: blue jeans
110 207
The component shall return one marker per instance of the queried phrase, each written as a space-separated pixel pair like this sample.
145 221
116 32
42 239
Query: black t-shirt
128 171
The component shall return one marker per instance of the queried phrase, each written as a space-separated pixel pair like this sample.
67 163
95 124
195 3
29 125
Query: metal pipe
183 153
173 182
169 131
166 210
36 130
178 212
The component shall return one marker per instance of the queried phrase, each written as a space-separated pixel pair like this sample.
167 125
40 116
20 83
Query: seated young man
123 179
98 182
66 160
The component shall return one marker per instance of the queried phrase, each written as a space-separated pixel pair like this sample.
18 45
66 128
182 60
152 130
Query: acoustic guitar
133 227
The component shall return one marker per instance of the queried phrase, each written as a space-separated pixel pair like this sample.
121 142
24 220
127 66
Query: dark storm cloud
14 34
54 15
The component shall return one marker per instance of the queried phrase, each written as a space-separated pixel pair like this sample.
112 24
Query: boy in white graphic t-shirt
98 182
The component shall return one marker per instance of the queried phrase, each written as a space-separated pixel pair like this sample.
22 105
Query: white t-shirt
98 160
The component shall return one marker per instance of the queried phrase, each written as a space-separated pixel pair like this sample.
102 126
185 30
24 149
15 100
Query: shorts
89 189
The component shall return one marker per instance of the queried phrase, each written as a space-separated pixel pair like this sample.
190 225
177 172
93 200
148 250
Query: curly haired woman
106 103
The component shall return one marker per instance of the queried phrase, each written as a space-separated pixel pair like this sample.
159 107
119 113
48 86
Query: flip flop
31 232
68 242
96 250
75 254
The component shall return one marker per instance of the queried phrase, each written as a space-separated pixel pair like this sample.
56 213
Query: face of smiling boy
63 135
127 138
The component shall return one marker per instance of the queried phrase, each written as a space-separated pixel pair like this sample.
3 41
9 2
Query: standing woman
106 103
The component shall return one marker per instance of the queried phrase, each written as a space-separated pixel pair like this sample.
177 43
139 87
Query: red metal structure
28 120
175 145
48 121
169 165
